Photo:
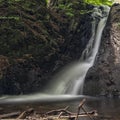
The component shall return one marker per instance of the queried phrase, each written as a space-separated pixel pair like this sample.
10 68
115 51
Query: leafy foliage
100 2
72 8
20 26
25 26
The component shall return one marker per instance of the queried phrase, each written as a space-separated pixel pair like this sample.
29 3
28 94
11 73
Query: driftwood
19 114
87 113
9 115
56 112
73 116
25 113
80 105
64 113
53 114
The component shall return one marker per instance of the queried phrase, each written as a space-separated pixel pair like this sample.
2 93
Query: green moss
100 2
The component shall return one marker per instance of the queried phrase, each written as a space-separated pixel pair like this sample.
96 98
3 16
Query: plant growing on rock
100 2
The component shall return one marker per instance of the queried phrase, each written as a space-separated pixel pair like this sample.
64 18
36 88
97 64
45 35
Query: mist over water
42 98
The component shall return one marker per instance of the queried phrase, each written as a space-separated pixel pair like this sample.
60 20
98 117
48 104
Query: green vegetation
72 8
20 28
79 6
9 18
27 26
47 1
67 8
100 2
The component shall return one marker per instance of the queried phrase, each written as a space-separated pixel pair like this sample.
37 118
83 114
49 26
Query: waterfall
71 79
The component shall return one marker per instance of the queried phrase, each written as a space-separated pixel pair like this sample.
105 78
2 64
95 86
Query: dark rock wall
39 41
104 77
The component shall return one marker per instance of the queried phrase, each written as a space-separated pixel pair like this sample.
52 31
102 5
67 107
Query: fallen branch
62 112
80 105
73 115
9 115
93 114
87 113
25 113
56 112
53 114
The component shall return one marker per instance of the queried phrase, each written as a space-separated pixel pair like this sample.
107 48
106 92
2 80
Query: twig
63 112
80 105
55 112
73 116
9 115
87 113
25 113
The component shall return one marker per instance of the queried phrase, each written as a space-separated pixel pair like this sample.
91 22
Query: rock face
104 77
37 41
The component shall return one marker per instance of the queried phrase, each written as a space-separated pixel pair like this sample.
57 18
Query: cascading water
71 79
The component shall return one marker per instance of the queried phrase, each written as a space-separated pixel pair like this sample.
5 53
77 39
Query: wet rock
104 75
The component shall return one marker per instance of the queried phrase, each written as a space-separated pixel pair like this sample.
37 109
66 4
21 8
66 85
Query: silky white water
71 79
69 82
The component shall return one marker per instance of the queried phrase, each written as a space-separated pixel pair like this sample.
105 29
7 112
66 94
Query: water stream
71 79
69 82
